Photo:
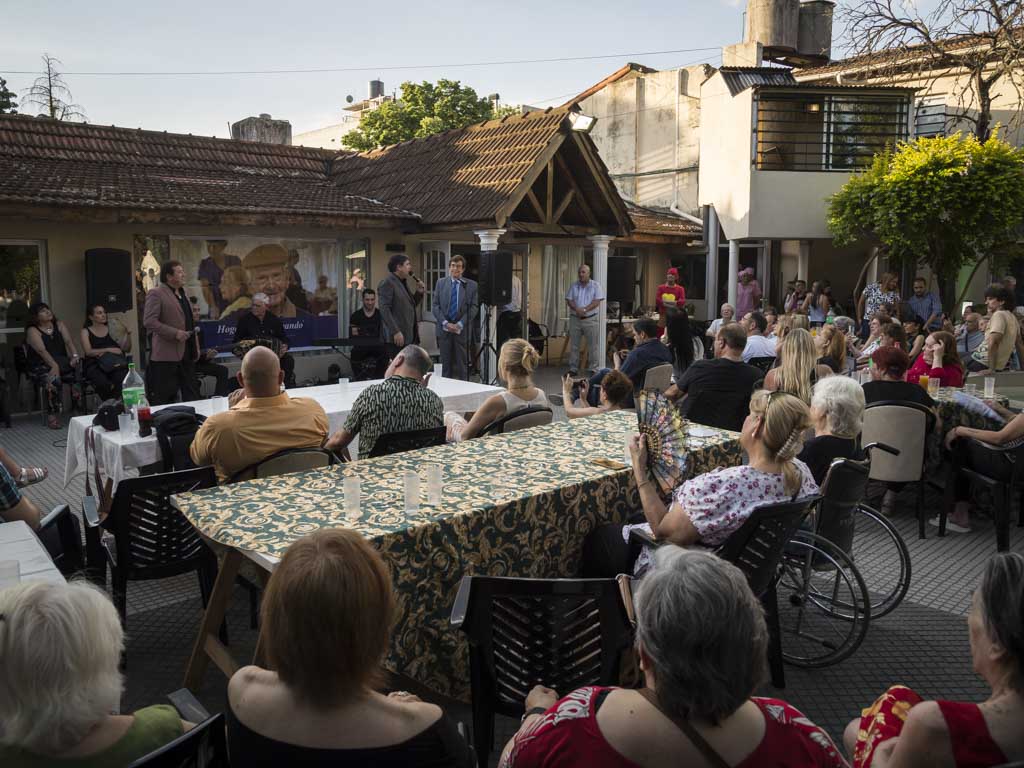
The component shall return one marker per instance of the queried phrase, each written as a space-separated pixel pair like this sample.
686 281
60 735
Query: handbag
106 416
110 362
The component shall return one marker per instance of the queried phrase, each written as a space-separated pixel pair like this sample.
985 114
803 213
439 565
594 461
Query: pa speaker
108 279
621 279
495 289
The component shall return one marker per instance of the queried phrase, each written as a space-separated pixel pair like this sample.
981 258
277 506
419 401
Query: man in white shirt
584 300
757 344
728 313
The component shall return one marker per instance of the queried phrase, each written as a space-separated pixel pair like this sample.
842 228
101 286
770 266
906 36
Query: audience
757 345
817 303
725 382
702 642
14 505
876 296
326 616
708 508
261 420
925 305
874 339
105 364
798 368
912 330
938 360
60 648
968 336
832 348
684 346
400 403
517 361
889 379
903 730
615 395
1002 334
837 415
728 314
647 352
53 360
771 318
205 365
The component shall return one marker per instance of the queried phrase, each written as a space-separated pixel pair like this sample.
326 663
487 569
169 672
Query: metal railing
826 132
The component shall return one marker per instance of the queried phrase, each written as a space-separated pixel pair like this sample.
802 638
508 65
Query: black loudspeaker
621 279
108 279
495 288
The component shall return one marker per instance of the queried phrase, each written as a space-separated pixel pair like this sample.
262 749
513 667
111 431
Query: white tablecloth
17 542
120 455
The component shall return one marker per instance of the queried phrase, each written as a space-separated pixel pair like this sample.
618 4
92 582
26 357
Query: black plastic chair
1000 470
205 746
152 539
524 418
757 548
400 442
562 633
723 410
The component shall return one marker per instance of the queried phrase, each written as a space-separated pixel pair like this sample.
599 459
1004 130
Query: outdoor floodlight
582 123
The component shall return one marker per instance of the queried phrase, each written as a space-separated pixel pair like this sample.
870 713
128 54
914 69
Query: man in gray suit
454 308
397 304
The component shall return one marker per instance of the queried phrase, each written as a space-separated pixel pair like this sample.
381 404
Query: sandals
31 475
52 421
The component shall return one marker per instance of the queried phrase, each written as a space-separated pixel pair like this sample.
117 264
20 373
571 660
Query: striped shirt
397 404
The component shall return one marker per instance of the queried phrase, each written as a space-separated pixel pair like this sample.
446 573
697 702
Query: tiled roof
59 163
463 175
660 221
612 78
738 79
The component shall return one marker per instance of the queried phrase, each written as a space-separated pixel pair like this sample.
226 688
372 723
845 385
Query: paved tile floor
922 644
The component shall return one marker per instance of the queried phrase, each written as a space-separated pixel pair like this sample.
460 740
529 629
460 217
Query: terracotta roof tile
660 221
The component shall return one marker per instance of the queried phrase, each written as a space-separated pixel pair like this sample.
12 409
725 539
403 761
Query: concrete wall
791 203
724 179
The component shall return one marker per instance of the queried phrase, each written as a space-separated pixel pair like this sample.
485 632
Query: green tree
8 106
423 109
943 202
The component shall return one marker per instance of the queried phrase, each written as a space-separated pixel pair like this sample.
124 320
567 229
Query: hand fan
663 426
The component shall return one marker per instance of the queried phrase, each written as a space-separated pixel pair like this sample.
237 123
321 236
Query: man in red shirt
670 295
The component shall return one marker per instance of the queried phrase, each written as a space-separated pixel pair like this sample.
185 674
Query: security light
582 123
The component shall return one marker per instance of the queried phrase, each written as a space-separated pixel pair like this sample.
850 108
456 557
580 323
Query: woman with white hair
727 316
837 415
60 647
902 730
702 644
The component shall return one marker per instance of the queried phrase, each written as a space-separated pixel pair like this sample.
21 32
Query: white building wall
724 178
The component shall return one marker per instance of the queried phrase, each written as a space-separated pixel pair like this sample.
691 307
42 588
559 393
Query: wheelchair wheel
879 550
824 608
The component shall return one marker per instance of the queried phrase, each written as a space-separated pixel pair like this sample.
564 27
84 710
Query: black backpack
107 414
175 426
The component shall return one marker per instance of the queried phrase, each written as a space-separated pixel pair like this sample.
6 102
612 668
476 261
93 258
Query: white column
601 243
711 241
734 270
803 259
489 242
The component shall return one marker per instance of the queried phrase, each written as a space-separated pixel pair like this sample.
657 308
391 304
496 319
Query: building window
355 271
815 131
22 284
930 116
435 266
693 275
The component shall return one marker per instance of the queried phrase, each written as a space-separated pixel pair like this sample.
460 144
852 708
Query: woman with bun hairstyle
516 363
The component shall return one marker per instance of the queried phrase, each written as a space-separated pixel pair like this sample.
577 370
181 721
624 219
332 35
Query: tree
8 106
943 202
422 110
979 41
51 95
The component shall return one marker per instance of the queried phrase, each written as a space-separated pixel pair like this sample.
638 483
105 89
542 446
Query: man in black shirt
260 323
369 360
205 365
717 392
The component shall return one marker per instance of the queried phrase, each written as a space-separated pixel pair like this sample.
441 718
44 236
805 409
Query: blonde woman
708 508
832 349
516 364
798 370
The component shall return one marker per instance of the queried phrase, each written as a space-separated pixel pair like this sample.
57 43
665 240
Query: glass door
22 284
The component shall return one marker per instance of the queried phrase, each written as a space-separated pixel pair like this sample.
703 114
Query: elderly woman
616 394
901 730
727 316
837 415
699 677
799 369
708 508
326 616
59 682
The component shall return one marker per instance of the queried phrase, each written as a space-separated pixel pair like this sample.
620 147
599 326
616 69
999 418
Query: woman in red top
702 645
903 731
939 360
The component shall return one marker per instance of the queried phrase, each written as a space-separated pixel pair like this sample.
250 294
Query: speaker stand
487 345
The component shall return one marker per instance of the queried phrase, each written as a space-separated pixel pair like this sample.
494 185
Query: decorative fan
663 426
245 345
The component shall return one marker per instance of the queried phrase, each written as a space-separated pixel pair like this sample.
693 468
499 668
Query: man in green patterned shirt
400 403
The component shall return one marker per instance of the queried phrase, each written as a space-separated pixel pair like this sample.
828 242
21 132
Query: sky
189 36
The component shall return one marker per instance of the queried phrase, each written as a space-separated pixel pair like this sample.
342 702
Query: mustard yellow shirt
256 428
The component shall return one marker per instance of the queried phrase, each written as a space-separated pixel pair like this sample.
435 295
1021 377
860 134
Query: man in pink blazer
175 348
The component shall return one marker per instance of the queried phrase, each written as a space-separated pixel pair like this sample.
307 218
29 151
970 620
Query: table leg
208 644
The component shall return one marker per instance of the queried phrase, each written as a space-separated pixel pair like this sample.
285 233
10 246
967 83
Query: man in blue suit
454 308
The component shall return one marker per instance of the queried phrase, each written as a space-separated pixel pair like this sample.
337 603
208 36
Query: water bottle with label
831 316
133 390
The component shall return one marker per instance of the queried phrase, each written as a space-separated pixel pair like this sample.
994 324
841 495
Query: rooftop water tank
815 28
773 23
376 89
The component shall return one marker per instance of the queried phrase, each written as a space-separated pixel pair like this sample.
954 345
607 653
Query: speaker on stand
109 280
494 291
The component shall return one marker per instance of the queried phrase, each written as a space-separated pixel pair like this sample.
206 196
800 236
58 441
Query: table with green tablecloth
518 504
954 414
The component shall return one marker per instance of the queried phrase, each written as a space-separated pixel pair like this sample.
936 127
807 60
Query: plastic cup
352 488
437 369
343 385
124 423
933 387
990 387
10 573
971 389
435 476
218 404
412 491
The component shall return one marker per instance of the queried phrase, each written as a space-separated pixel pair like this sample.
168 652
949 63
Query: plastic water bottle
133 390
831 316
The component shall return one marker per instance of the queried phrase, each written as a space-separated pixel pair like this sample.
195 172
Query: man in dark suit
454 308
168 318
397 304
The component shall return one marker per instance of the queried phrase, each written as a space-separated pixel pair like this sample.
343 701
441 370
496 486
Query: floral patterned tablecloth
518 504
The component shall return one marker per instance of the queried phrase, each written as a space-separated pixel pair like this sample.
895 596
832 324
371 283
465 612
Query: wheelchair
825 603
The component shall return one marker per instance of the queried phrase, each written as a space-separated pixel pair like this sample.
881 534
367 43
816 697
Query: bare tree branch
51 95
